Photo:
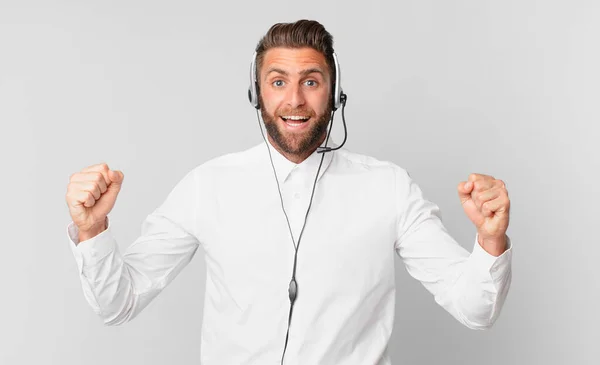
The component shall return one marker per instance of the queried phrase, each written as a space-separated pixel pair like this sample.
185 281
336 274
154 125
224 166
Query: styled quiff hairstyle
303 33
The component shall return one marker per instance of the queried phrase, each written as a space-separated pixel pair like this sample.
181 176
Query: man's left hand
486 203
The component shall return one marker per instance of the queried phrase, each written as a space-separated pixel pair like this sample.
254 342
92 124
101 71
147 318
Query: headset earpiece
253 88
337 88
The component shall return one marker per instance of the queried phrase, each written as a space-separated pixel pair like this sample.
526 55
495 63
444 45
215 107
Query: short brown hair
303 33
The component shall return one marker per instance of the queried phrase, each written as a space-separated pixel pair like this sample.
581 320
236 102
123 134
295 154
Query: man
300 245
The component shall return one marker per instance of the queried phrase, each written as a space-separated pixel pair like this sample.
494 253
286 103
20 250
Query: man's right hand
91 195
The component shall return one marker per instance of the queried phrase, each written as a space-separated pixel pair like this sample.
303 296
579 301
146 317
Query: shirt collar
285 167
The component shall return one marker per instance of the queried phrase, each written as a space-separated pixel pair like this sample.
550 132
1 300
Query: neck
297 157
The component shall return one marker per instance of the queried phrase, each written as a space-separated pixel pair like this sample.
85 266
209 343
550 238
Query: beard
299 144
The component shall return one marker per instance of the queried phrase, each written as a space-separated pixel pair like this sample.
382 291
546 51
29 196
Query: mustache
299 112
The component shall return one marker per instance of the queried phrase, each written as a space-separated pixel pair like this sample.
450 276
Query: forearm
479 293
106 279
118 287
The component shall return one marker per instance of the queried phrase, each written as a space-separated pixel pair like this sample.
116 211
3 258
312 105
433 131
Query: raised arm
472 287
118 286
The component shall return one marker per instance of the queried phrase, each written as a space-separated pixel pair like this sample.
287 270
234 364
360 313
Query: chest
349 232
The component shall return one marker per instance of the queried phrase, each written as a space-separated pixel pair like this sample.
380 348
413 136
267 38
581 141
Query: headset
339 100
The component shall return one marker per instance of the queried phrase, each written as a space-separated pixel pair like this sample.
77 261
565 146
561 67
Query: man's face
295 98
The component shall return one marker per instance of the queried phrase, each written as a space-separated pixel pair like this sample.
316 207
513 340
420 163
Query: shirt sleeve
471 287
119 286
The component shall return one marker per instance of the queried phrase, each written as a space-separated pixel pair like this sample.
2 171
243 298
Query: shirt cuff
92 250
494 265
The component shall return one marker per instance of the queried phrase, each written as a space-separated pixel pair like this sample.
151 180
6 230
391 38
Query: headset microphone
343 99
338 99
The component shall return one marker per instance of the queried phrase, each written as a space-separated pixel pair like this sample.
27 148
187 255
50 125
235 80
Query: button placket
294 202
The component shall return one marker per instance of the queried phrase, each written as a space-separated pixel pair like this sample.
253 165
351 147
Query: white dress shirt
364 212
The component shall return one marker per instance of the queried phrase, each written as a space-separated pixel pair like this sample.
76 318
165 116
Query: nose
295 96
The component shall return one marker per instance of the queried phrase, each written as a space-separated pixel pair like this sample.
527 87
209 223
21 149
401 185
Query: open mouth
295 121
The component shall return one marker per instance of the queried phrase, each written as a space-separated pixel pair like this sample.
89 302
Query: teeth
295 117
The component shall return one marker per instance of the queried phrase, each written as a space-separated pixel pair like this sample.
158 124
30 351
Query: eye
278 83
311 83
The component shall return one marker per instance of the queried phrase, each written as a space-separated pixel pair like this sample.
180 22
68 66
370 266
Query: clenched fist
486 203
91 195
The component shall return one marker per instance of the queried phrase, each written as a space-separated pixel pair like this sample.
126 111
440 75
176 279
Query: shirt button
296 195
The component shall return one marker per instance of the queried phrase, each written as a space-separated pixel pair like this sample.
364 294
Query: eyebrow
308 71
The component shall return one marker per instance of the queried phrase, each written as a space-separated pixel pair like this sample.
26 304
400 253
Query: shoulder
233 162
365 163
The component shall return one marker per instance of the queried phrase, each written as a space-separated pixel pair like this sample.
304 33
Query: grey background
442 89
